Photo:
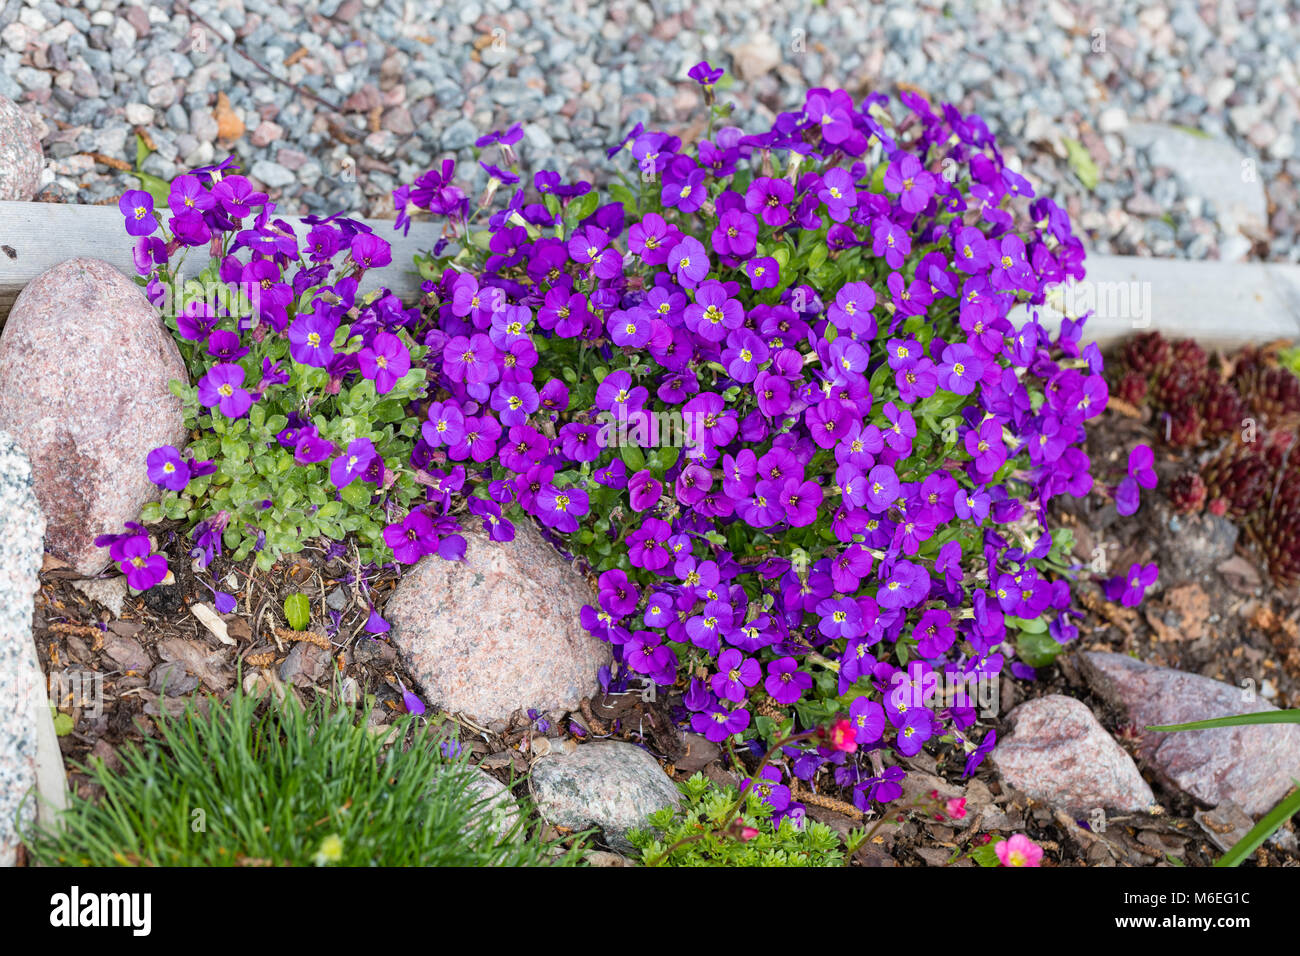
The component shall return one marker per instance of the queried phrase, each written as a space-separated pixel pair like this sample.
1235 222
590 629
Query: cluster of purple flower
272 307
872 443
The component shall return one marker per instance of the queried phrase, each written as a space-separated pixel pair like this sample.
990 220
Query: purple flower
188 195
310 448
369 251
736 233
412 538
311 339
560 508
1140 474
221 387
384 360
704 74
377 625
353 462
907 585
717 724
689 261
226 346
137 206
961 369
142 569
907 177
736 674
769 199
785 682
237 197
838 193
1130 589
644 490
167 469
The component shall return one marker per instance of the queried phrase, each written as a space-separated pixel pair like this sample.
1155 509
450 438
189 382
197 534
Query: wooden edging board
1221 304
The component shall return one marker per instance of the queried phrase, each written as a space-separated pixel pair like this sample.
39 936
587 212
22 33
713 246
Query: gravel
407 86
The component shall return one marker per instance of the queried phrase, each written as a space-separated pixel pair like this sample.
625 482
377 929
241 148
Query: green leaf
155 187
621 193
1081 163
632 455
62 723
297 611
987 855
1037 650
142 151
581 208
1237 720
357 494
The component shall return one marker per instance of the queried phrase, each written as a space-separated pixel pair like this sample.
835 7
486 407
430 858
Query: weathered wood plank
35 237
1220 303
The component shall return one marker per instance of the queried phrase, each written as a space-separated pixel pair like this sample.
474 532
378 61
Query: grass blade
1262 830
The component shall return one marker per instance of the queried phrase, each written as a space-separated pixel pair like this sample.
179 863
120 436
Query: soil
1213 612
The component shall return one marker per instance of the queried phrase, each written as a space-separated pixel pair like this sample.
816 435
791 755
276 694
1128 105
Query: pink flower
1019 851
844 736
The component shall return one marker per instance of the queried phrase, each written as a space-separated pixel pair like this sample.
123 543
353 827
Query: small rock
88 425
266 134
171 678
700 752
1061 755
305 664
1201 543
757 57
1112 120
21 159
139 114
1251 766
272 174
611 785
337 599
499 630
110 592
127 653
1225 824
497 802
459 135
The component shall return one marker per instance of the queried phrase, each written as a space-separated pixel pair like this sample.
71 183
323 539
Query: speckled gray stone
499 631
84 369
497 803
21 158
607 784
21 686
1059 754
1251 766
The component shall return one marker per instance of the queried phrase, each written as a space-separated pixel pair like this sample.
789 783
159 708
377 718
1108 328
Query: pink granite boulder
498 631
84 369
21 158
1059 754
1250 766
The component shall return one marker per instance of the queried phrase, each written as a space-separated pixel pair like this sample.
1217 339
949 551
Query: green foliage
297 611
706 807
258 485
987 855
254 782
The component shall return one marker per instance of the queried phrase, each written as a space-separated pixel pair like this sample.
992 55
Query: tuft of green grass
255 782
